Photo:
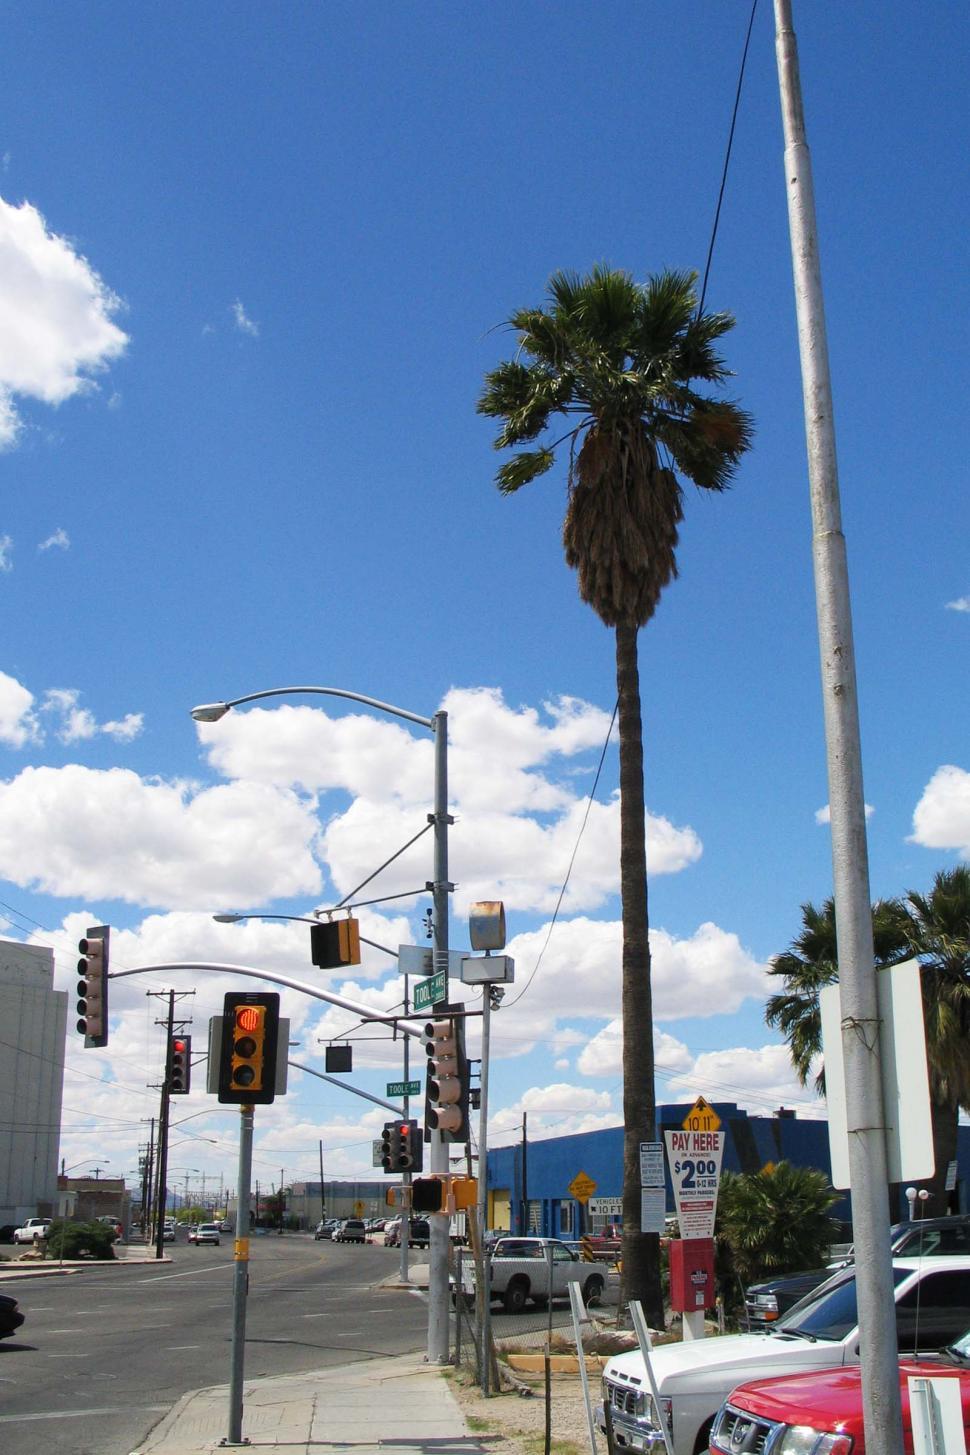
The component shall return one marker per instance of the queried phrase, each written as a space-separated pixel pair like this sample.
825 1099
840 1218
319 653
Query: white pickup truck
32 1231
822 1332
520 1269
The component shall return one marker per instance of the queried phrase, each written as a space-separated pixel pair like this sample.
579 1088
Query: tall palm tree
617 359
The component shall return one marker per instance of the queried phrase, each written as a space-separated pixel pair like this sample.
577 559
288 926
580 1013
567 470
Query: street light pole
440 888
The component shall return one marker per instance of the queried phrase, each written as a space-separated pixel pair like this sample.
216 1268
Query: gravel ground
519 1421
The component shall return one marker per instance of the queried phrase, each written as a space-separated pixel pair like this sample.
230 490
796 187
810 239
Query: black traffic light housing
402 1149
250 1036
429 1194
446 1085
180 1065
92 987
334 943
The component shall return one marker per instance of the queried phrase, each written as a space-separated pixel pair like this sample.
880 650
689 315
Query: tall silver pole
482 1310
439 1240
853 913
406 1209
240 1276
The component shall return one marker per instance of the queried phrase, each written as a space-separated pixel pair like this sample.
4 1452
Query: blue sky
254 263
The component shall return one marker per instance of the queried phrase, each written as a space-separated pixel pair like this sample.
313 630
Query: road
104 1354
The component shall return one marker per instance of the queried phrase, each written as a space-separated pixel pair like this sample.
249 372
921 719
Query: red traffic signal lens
248 1017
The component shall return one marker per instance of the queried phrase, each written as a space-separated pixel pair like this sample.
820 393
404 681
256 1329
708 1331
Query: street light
84 1162
440 888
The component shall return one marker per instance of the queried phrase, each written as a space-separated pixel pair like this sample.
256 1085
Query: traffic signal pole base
240 1278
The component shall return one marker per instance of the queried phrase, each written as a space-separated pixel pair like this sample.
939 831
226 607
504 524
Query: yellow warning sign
701 1118
582 1187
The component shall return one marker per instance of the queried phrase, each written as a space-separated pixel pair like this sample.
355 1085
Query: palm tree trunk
641 1251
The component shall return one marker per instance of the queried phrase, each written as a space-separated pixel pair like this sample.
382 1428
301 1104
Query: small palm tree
940 937
616 359
811 962
776 1220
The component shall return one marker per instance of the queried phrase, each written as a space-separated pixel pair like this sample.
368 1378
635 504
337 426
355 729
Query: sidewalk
400 1405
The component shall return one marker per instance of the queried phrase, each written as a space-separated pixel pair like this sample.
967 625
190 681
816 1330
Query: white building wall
33 1019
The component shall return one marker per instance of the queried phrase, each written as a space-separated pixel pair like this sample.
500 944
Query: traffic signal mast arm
365 1012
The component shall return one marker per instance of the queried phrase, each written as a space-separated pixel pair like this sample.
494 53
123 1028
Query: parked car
10 1316
767 1301
205 1233
113 1223
322 1230
520 1269
392 1233
168 1230
823 1410
351 1230
695 1378
33 1230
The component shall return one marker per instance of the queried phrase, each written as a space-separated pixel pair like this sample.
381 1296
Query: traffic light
250 1034
411 1150
429 1194
92 988
402 1149
334 943
180 1065
446 1088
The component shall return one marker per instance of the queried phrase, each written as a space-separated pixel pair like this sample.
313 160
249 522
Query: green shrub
80 1240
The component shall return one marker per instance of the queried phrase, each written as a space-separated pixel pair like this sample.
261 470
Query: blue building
528 1184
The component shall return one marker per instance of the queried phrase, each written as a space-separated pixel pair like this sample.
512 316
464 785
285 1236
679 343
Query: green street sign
403 1088
428 993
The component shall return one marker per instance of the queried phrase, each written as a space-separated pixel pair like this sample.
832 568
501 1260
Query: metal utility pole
240 1275
525 1174
162 1163
323 1205
438 1321
482 1312
406 1179
879 1355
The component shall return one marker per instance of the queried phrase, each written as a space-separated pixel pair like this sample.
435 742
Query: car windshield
959 1350
831 1314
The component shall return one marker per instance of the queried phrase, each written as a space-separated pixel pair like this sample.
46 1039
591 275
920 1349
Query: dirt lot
517 1421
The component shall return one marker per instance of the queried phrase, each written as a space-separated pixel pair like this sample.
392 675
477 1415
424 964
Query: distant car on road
113 1223
204 1233
351 1230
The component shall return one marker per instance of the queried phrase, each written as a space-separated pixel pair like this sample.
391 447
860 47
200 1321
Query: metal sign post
240 1278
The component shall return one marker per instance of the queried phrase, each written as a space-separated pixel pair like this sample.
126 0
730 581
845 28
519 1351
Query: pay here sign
694 1159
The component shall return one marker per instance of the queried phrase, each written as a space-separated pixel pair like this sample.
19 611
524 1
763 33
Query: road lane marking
170 1348
80 1414
161 1277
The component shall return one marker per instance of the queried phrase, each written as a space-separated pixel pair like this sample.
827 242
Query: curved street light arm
426 722
408 1027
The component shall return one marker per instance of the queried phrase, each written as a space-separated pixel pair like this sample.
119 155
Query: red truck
784 1414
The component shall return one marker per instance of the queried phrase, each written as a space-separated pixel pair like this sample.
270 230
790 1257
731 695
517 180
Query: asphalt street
104 1354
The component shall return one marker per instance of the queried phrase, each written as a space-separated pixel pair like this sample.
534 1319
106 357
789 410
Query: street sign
377 1154
651 1164
582 1187
429 993
694 1159
403 1088
701 1118
606 1207
415 959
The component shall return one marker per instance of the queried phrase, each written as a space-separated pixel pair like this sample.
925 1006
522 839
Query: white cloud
517 822
151 842
962 603
758 1078
243 322
78 723
6 542
824 815
60 538
18 724
941 819
56 327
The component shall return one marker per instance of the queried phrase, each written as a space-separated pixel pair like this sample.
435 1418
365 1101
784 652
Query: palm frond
522 468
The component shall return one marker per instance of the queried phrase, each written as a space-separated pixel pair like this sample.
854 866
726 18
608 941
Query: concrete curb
11 1272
